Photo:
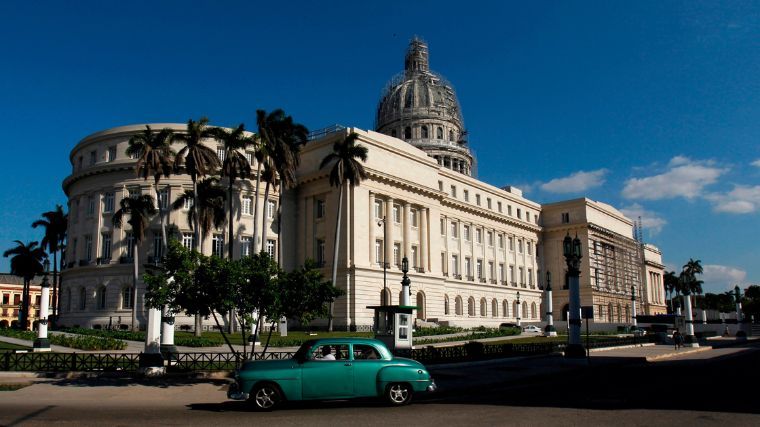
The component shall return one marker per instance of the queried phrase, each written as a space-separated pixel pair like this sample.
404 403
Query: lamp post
381 223
405 282
689 339
634 322
571 249
42 343
549 330
518 309
738 299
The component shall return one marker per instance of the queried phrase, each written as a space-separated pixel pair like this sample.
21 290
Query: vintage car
325 369
531 328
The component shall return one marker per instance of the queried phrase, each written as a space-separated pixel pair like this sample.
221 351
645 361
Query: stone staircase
755 330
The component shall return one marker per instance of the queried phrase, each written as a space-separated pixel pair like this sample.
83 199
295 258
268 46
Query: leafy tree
140 209
347 169
234 166
210 206
155 158
26 263
198 160
751 301
56 224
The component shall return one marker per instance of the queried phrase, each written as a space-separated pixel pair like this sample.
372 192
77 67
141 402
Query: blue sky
653 107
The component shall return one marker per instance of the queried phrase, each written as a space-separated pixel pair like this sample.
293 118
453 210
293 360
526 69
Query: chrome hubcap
399 393
265 397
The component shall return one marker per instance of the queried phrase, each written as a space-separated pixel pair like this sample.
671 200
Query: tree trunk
256 210
264 218
336 246
278 250
164 242
198 317
25 306
221 330
229 192
55 292
135 257
196 224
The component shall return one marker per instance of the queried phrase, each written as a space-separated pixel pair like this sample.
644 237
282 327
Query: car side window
365 352
328 352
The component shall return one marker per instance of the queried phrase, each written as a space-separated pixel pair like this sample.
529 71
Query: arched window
409 97
619 313
126 297
524 312
407 132
515 310
627 314
387 299
439 133
446 305
471 306
533 314
451 135
82 298
505 308
494 308
421 306
458 306
424 131
610 313
483 307
100 296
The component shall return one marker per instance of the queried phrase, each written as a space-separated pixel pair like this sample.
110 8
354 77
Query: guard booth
393 326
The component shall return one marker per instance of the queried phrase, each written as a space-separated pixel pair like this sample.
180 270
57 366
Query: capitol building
479 254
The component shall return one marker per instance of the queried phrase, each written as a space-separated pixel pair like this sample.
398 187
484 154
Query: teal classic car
325 369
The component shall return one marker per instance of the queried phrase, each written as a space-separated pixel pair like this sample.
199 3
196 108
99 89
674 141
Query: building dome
421 107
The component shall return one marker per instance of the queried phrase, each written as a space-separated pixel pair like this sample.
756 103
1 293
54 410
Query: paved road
694 388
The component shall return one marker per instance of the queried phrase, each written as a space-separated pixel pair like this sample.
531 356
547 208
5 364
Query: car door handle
346 364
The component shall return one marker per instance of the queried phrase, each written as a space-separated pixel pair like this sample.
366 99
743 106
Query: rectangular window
90 206
74 211
271 209
509 210
93 157
378 209
379 252
477 199
530 277
453 191
467 267
466 233
443 227
130 249
249 157
454 264
501 272
488 203
158 247
108 202
512 274
501 241
73 250
527 216
479 265
163 199
530 248
88 248
519 213
491 272
245 205
396 215
478 236
511 243
519 246
522 276
397 254
414 257
271 248
188 204
566 217
246 246
320 209
320 255
133 191
220 153
440 185
490 238
466 195
105 246
413 217
217 245
187 240
111 154
454 229
79 163
498 206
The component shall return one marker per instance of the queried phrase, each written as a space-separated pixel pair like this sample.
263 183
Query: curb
677 353
594 350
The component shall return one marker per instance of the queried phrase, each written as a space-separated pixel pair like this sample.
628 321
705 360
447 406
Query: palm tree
140 209
691 269
670 281
346 169
154 158
282 138
210 206
198 159
234 166
270 177
56 224
26 263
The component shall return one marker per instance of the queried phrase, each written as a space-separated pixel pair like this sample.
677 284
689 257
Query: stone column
424 259
42 343
406 223
389 224
372 225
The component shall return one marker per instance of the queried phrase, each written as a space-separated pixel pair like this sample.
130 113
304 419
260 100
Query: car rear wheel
265 397
399 394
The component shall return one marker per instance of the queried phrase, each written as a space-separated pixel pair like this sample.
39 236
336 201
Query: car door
367 362
328 379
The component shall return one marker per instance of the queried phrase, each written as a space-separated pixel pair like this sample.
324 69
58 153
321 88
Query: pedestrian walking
677 339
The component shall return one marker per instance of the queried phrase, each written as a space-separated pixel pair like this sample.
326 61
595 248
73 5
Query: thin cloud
721 278
650 221
741 200
756 163
577 182
684 178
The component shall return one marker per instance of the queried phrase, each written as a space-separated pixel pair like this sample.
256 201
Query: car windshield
303 351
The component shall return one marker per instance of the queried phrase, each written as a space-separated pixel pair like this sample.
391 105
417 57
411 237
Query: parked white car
531 328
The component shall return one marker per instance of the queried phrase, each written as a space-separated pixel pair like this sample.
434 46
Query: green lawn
7 346
559 338
292 340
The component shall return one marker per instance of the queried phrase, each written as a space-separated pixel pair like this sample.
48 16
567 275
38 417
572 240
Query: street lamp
42 343
405 282
633 311
571 249
381 223
518 309
738 298
549 330
689 339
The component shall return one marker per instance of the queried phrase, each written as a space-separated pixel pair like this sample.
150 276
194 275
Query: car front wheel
398 394
265 397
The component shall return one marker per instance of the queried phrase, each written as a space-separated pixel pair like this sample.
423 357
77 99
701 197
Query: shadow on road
133 382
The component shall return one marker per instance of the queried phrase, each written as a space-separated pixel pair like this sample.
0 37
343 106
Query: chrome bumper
432 387
234 393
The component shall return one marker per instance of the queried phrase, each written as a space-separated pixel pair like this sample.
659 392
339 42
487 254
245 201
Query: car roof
347 340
